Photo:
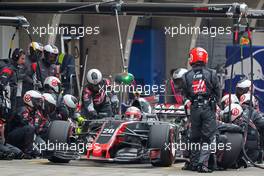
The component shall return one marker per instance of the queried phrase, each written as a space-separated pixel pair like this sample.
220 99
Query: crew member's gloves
78 130
80 120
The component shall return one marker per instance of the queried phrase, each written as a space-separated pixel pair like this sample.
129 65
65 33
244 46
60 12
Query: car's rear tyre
231 154
162 136
59 133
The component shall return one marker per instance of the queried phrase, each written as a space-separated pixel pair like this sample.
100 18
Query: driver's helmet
133 114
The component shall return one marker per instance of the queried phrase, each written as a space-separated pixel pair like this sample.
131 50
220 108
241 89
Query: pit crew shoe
204 169
190 167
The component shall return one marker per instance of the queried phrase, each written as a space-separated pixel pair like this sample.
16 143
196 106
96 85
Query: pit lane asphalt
42 167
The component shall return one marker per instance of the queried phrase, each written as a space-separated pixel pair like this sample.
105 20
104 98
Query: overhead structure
14 21
233 10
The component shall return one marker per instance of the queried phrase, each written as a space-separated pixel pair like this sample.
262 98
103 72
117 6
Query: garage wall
104 50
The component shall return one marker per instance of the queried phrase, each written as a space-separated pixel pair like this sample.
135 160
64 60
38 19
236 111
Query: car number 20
108 131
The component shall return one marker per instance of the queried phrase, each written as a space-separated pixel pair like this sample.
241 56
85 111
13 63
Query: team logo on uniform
27 98
235 112
242 98
227 102
199 86
54 82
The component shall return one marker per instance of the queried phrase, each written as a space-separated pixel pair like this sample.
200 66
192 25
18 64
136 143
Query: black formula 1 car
117 140
153 139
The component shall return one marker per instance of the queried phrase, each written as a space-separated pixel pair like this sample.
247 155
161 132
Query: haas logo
227 101
242 98
199 86
54 82
27 98
235 112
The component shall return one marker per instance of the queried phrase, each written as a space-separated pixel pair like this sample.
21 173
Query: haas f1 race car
152 139
133 141
120 140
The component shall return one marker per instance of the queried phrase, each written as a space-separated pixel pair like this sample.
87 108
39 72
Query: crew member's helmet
51 53
225 100
70 101
178 73
35 51
49 103
198 55
245 99
94 76
242 87
33 99
236 111
52 83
